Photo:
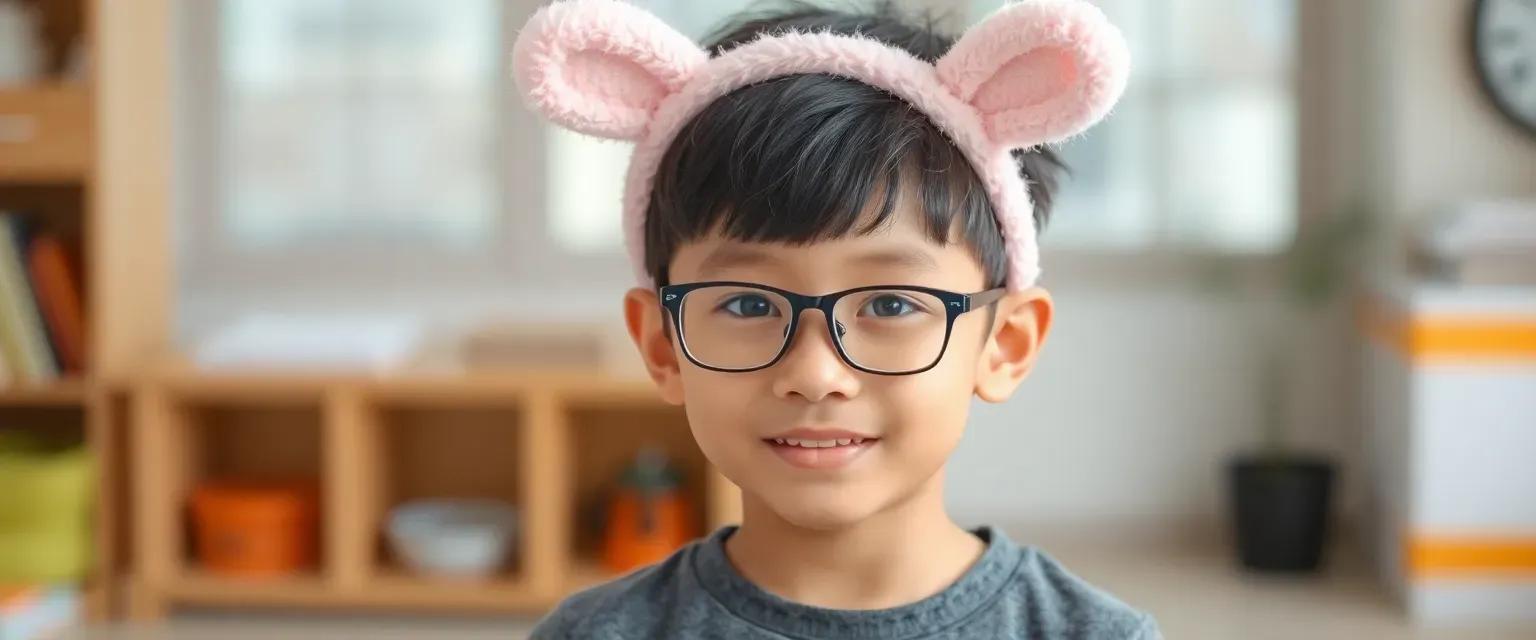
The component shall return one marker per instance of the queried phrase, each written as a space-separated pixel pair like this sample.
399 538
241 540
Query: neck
898 556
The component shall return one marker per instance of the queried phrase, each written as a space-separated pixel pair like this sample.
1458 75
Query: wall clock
1504 54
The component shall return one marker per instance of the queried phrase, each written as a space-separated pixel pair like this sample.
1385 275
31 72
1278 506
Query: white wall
1138 402
1441 140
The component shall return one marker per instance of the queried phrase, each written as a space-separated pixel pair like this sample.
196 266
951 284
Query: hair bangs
805 159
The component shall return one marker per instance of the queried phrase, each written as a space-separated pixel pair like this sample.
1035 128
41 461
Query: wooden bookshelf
49 179
546 443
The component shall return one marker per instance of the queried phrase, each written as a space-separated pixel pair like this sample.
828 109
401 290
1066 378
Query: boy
833 219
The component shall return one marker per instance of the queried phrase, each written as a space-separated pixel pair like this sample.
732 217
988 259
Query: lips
821 448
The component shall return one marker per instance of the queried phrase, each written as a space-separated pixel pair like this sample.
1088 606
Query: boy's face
910 423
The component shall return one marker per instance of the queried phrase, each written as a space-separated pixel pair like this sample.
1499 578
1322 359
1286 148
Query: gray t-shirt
1011 592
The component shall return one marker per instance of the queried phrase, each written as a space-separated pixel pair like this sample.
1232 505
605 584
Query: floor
1195 596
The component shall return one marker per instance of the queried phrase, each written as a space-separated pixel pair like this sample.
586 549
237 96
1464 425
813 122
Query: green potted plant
1280 496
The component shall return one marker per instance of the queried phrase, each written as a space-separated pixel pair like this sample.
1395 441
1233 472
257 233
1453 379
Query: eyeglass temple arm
979 300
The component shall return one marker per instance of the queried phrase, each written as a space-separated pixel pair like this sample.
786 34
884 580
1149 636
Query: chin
822 512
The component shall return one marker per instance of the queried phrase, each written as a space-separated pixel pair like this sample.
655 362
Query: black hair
804 158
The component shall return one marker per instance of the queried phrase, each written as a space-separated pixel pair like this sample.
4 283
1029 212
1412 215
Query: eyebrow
726 257
906 257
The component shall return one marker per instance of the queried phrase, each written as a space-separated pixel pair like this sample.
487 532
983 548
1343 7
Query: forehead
898 252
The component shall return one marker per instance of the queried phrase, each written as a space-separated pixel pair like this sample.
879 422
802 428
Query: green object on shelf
45 510
44 556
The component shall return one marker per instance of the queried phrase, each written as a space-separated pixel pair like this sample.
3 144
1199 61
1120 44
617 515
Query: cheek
713 402
930 409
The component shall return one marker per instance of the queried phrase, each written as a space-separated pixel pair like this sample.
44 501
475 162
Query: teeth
819 444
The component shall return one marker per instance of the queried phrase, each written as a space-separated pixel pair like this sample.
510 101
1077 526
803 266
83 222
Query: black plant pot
1281 507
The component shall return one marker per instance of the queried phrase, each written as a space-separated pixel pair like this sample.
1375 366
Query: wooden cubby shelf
545 444
50 196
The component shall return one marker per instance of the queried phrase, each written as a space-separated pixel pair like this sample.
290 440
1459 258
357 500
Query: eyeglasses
737 327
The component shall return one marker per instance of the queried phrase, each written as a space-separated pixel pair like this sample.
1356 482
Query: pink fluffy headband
1035 72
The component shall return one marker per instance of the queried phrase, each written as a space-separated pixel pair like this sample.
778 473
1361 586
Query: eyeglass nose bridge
799 304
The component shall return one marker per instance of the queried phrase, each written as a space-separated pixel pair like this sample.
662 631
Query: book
42 311
58 295
26 345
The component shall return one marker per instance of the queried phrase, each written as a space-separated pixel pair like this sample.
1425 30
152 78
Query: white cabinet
1452 450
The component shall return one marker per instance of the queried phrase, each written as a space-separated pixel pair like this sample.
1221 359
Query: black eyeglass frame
955 305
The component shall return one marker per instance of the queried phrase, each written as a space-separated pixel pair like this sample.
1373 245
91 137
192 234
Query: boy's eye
888 305
750 305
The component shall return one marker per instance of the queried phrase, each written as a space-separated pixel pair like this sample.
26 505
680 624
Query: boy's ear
648 328
1039 72
601 67
1023 319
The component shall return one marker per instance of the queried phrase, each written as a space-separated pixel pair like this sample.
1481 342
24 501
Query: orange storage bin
256 530
649 517
644 530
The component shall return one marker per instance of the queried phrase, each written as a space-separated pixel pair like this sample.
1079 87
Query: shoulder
1060 604
637 601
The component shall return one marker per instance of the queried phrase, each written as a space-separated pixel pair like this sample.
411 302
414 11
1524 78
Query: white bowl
453 538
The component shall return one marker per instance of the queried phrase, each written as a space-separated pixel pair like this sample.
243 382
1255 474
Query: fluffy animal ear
1039 71
600 67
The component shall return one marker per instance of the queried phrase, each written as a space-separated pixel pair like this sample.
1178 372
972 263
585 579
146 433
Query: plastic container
256 530
453 538
45 511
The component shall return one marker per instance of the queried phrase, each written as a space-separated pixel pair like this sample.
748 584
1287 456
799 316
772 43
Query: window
349 146
341 136
358 121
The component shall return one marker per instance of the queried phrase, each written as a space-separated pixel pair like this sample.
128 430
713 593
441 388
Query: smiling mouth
824 453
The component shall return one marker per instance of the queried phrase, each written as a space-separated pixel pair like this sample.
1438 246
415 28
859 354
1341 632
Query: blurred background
305 321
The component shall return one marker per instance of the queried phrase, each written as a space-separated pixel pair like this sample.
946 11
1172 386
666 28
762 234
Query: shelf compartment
224 442
433 451
606 439
53 424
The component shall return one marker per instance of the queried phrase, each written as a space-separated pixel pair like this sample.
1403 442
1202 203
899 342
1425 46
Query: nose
811 368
